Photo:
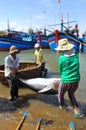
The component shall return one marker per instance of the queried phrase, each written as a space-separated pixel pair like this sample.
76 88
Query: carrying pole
21 122
39 123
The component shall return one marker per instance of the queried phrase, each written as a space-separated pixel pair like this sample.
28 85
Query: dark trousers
13 83
43 70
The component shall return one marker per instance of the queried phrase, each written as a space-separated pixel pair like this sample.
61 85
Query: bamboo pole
72 126
21 121
38 124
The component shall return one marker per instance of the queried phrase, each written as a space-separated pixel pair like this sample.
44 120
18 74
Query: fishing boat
83 48
66 32
57 35
19 39
27 70
42 40
22 40
83 45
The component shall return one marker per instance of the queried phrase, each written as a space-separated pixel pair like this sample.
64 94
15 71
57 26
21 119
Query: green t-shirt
68 67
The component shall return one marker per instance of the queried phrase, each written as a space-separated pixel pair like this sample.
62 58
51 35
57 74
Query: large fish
43 85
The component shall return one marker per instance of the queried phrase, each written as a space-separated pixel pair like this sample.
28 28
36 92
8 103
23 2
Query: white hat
36 45
13 49
64 45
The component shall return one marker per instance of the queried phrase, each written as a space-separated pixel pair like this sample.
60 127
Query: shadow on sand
23 102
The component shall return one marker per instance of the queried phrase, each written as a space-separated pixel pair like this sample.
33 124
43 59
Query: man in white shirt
11 69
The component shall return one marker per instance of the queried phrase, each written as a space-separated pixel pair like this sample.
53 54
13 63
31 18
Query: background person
39 59
38 54
68 67
11 69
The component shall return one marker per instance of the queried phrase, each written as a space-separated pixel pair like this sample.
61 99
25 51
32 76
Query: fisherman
39 59
11 69
68 67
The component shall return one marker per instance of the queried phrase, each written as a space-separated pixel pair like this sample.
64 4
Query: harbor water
41 105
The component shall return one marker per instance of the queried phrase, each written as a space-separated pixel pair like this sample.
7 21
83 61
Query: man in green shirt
68 67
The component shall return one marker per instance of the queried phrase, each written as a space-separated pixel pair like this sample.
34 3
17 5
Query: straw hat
64 45
13 49
36 45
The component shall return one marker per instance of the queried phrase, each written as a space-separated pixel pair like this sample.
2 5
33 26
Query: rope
73 38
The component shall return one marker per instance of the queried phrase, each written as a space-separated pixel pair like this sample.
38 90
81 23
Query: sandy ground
37 106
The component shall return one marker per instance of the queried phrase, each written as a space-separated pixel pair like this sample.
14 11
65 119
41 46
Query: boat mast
8 27
44 22
61 15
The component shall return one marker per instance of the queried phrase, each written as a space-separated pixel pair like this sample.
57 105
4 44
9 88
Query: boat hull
53 41
43 41
83 48
27 70
5 44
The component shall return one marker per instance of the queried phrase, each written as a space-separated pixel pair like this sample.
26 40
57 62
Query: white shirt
10 62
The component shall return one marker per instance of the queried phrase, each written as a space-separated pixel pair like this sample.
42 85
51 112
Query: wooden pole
21 122
57 36
39 123
39 39
72 126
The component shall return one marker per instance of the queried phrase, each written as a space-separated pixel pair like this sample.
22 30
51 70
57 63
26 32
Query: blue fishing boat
83 45
42 40
19 39
73 39
22 40
55 36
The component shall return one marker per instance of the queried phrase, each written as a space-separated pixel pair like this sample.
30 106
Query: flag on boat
58 1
